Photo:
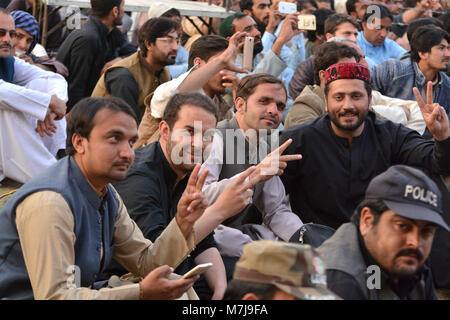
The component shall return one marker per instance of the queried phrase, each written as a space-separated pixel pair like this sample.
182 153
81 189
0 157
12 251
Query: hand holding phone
307 22
197 270
248 53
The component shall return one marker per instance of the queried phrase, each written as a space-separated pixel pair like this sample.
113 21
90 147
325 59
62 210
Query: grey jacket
396 78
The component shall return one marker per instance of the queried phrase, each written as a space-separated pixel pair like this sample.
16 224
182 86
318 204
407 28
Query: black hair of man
335 20
424 38
445 19
152 29
205 47
329 53
246 5
384 12
350 5
174 105
415 24
237 289
171 13
321 16
81 117
102 8
301 4
376 206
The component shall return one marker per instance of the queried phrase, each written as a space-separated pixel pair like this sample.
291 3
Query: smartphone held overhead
307 22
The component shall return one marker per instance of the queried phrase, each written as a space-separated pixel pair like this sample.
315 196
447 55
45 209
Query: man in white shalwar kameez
30 100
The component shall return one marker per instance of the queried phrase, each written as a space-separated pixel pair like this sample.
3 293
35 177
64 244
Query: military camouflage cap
296 269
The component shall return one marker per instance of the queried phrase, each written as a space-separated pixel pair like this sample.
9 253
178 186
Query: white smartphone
199 269
307 22
248 53
287 7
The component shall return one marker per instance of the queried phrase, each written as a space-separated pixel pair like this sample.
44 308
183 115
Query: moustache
121 163
5 45
410 252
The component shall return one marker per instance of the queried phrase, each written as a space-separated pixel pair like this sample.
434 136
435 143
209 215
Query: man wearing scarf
27 30
30 100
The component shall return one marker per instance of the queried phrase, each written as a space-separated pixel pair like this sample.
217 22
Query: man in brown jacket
138 75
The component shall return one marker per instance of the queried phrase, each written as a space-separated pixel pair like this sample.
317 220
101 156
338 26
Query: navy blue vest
94 225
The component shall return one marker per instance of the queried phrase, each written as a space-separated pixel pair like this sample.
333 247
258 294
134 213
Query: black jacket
151 196
328 183
85 52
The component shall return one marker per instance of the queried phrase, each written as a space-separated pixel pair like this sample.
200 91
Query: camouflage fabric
296 269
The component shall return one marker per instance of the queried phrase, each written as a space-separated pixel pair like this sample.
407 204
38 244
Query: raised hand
156 285
228 57
273 164
192 203
434 115
236 196
58 107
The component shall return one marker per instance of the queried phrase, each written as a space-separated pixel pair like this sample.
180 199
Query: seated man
310 104
30 102
346 147
27 30
70 218
213 57
138 75
159 176
87 52
248 139
373 39
271 270
429 58
381 253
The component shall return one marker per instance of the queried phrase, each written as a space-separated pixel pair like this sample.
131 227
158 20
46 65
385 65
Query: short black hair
384 12
424 38
205 47
335 20
415 24
301 4
237 289
171 13
329 53
445 19
321 16
81 117
101 8
174 105
248 84
246 5
154 28
350 5
376 206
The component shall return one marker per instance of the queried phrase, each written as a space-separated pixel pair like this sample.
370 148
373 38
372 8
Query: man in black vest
245 140
380 255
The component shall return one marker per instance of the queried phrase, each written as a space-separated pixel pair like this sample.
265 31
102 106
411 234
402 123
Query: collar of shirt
103 30
94 197
169 175
403 287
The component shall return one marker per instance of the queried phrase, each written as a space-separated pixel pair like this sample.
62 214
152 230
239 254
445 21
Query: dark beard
350 127
257 48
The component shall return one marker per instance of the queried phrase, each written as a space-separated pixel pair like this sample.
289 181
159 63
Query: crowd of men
144 148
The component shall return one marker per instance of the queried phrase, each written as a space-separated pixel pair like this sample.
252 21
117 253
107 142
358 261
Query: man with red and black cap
381 253
345 148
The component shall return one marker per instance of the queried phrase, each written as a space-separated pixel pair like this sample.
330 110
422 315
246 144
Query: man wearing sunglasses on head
137 76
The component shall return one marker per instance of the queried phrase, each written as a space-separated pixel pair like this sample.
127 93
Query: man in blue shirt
373 40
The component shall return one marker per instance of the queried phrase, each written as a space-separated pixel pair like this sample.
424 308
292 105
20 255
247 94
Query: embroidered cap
410 193
347 70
